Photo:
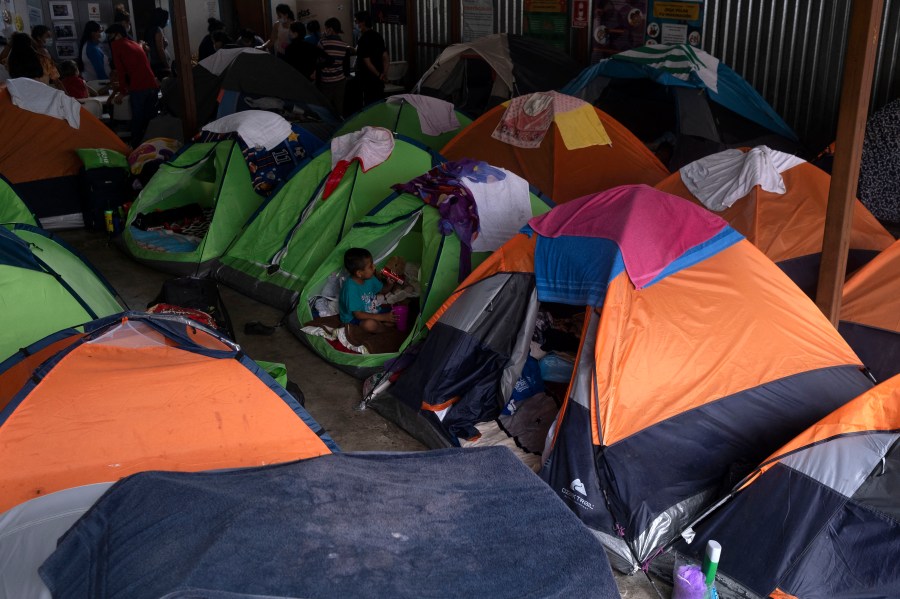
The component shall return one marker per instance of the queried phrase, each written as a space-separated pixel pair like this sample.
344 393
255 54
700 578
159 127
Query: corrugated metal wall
792 52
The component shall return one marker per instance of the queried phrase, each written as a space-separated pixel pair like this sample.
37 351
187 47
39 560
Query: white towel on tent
721 179
219 60
34 96
680 61
371 145
258 128
436 116
504 207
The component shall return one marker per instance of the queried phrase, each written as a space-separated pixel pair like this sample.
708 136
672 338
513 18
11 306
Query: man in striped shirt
335 65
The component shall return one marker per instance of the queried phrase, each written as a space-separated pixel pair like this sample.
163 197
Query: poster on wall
35 15
624 24
477 19
61 11
617 25
547 20
675 22
93 11
392 12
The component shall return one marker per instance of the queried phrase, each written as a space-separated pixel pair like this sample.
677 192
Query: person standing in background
136 80
335 64
371 60
207 45
281 31
313 32
95 62
41 37
155 37
300 54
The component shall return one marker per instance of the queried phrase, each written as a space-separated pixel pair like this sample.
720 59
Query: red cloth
132 66
652 228
75 87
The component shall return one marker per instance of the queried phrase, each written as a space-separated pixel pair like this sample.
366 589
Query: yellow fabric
581 128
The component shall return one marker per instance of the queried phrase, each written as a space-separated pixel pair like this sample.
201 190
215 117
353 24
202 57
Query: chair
395 74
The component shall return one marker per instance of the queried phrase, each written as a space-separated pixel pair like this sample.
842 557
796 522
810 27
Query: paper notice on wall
672 33
93 9
477 19
212 8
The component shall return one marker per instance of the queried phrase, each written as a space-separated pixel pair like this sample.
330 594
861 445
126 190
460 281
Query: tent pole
859 64
184 68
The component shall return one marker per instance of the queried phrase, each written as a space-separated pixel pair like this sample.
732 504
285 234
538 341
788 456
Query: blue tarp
448 523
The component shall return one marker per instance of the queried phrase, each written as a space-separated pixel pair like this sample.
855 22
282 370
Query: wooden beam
859 64
184 68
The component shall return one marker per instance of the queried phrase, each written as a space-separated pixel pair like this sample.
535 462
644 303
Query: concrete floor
331 395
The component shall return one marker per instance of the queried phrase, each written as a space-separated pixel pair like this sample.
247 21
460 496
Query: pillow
102 158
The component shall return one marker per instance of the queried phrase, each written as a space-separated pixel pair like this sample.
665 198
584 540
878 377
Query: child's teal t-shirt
357 297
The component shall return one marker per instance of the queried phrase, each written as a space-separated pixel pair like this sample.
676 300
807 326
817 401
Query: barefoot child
358 303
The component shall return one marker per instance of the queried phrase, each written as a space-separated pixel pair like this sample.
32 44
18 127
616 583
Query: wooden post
859 64
184 68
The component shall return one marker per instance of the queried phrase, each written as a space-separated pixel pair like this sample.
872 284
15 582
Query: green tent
211 177
12 209
404 226
45 287
296 229
403 118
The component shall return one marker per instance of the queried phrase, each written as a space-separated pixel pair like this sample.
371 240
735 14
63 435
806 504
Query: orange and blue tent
789 227
139 392
600 158
821 516
698 357
870 318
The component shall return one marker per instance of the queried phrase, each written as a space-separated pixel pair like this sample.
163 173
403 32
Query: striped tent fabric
821 516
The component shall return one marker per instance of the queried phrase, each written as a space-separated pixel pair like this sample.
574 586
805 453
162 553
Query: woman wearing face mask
95 62
281 30
41 38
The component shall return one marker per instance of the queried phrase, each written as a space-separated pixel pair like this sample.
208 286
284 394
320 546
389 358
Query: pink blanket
651 228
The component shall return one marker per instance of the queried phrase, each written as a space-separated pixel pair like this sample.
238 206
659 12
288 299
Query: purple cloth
444 188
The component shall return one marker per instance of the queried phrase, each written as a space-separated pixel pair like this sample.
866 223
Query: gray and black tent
483 73
238 79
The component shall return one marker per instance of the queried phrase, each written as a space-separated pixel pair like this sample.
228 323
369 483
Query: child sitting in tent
358 302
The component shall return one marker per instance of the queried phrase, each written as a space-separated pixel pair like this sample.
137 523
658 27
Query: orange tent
788 227
870 318
137 393
38 155
559 172
697 358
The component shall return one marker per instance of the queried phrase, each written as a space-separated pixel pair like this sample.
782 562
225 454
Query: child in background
358 303
72 81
